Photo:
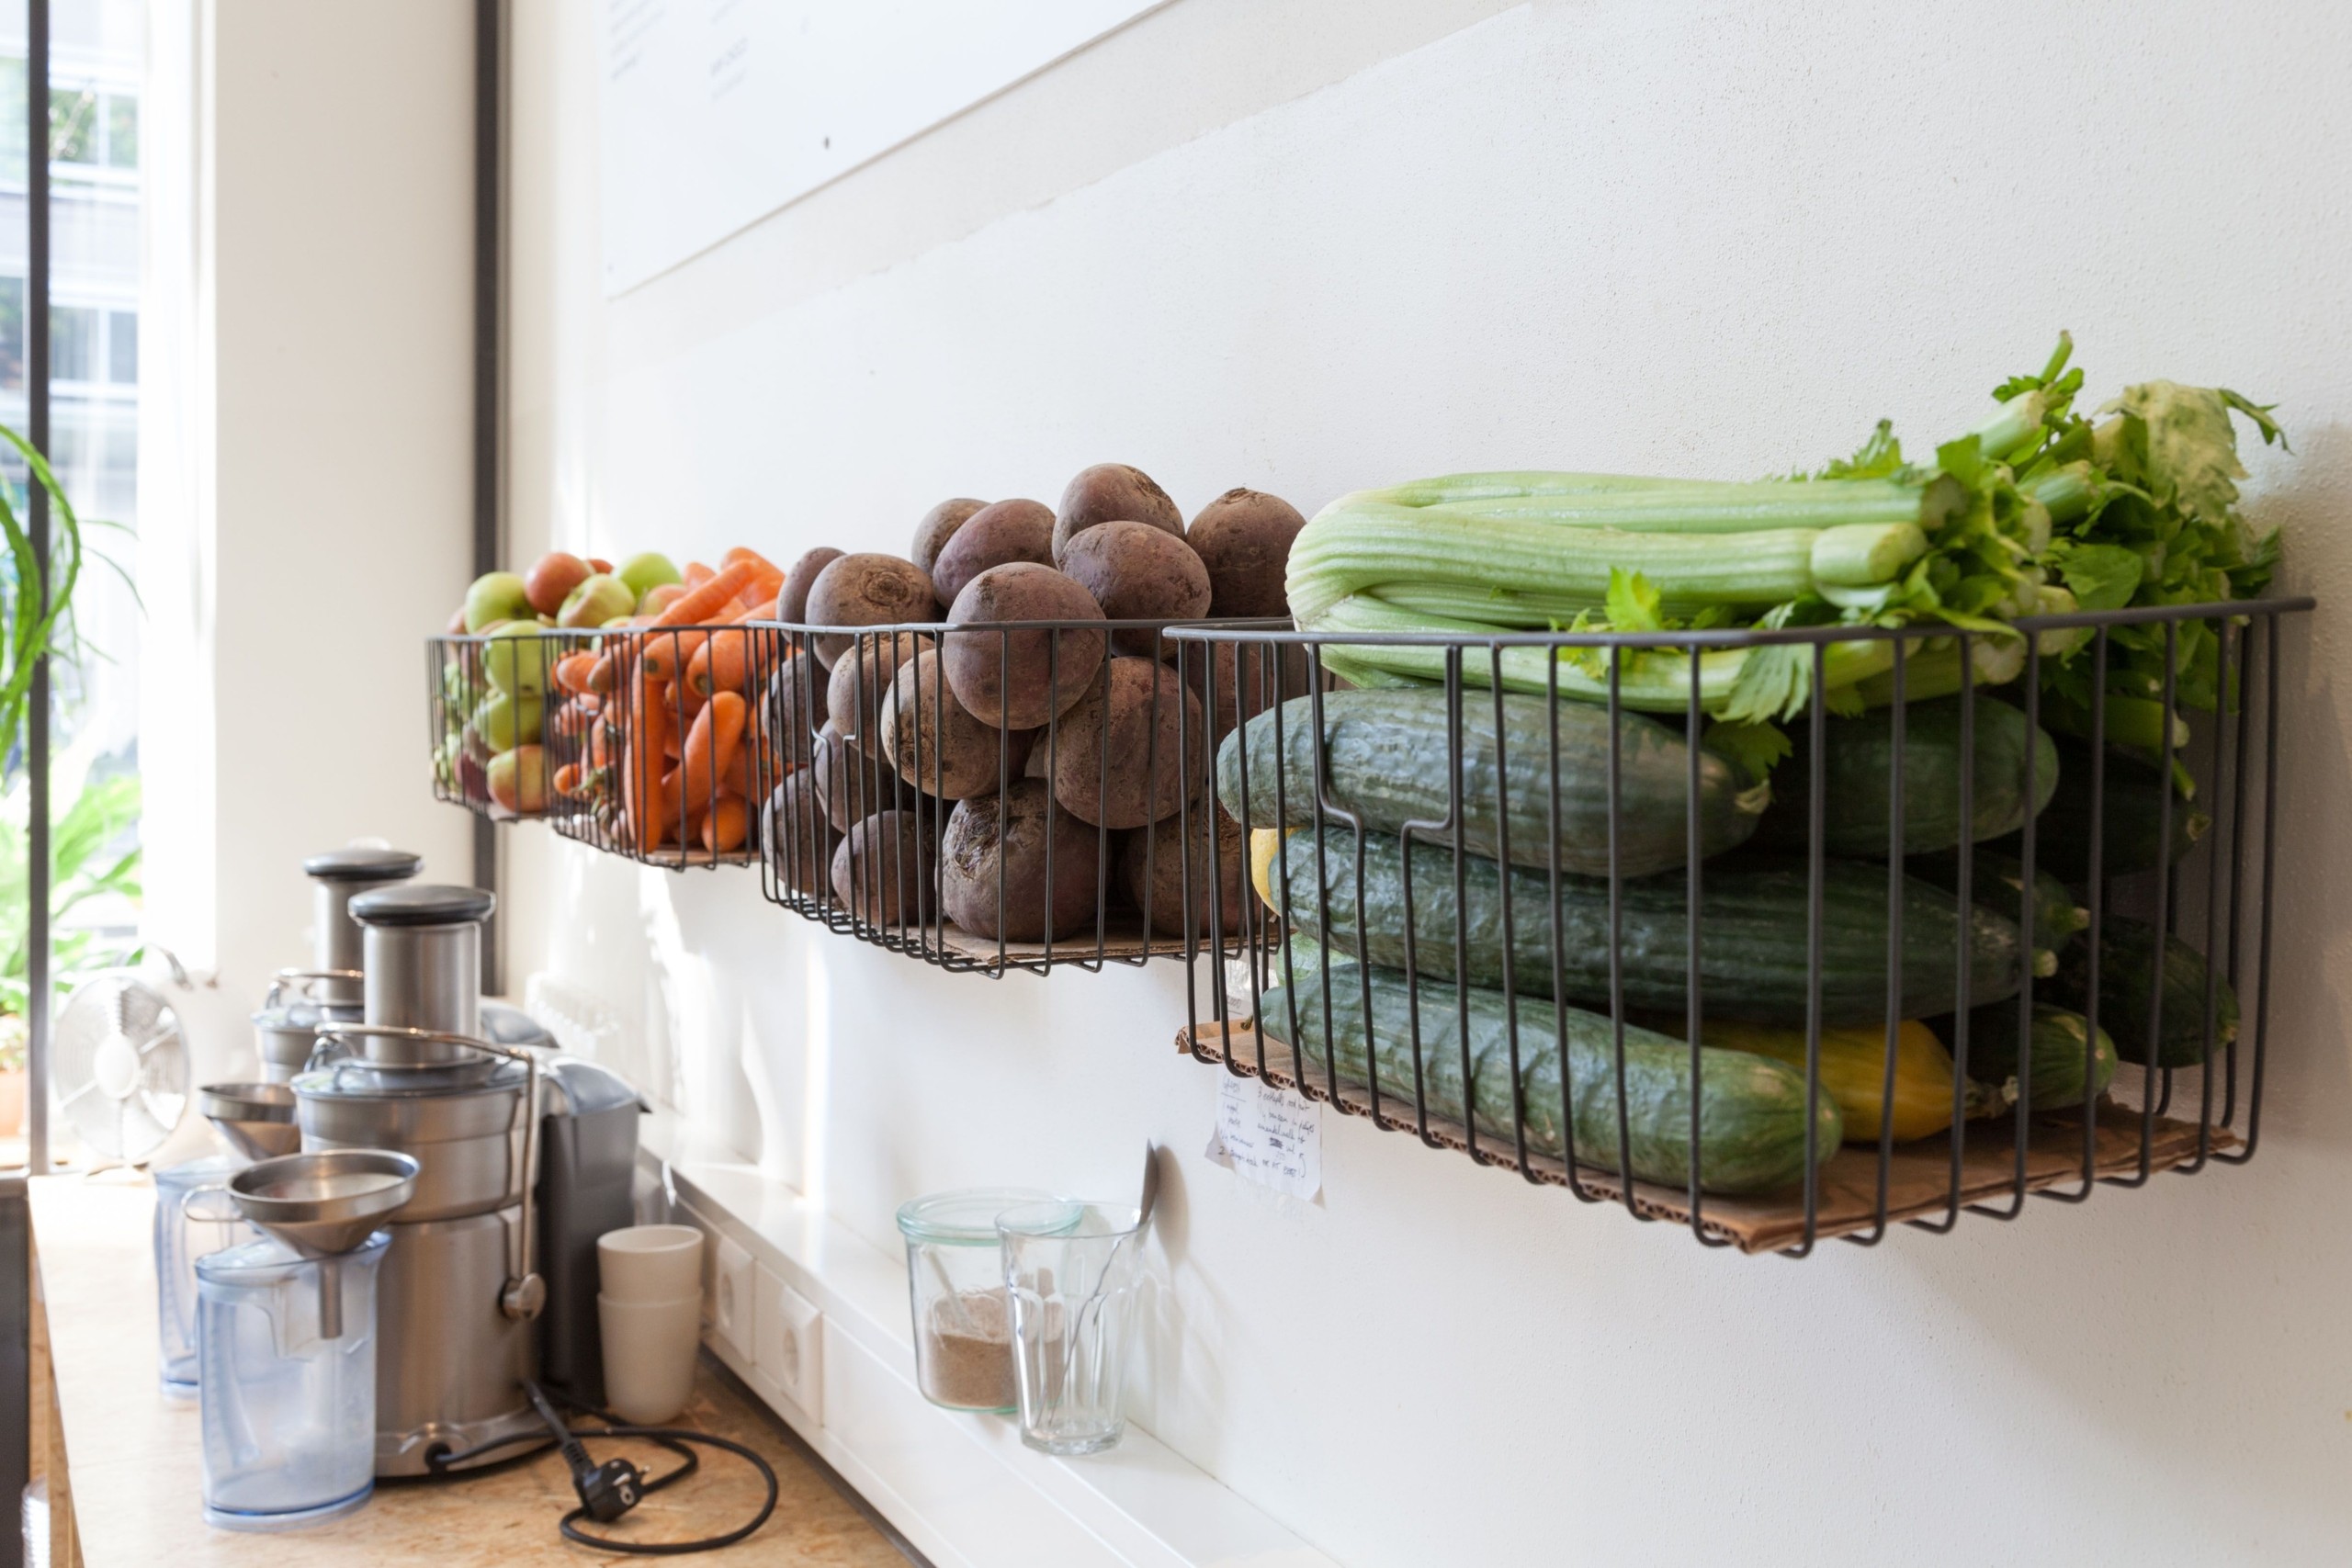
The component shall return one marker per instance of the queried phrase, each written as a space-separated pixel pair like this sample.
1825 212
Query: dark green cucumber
1753 949
1384 760
1858 774
2058 1054
2130 822
1751 1110
2127 984
2000 878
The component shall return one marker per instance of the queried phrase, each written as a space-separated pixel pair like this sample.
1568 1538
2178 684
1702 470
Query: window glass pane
72 342
12 334
73 125
122 347
11 122
122 132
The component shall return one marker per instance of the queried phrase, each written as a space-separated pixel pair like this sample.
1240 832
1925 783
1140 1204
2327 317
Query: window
122 347
72 342
73 125
12 334
122 132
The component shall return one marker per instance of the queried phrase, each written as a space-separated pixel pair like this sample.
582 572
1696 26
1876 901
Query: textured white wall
1313 246
305 490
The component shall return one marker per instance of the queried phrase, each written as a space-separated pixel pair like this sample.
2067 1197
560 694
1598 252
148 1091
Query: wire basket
1491 941
1010 796
609 736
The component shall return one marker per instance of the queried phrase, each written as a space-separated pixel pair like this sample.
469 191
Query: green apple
517 657
647 572
496 596
505 719
598 599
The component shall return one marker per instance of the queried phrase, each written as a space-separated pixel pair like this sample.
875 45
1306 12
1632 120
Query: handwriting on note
1269 1135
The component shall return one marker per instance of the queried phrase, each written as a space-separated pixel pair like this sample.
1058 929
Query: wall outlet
791 1345
733 1306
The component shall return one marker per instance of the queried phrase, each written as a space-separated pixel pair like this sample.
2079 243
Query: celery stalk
1711 508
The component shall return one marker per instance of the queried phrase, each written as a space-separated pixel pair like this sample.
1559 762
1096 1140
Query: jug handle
303 979
188 1198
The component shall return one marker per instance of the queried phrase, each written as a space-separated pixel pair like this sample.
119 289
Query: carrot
711 746
728 825
696 574
761 595
571 671
707 598
643 734
745 552
682 647
738 776
721 664
570 780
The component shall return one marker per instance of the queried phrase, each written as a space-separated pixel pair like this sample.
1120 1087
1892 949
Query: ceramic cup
649 1263
649 1356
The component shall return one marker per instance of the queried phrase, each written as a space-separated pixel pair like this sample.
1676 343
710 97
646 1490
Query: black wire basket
1914 986
1012 796
646 742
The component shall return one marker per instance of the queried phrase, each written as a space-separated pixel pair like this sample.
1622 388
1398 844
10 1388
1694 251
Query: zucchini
2000 878
2127 982
1751 1111
1753 950
2131 824
1859 764
1853 1073
2058 1055
1384 760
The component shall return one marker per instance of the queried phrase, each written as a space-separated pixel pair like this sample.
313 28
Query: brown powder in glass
967 1351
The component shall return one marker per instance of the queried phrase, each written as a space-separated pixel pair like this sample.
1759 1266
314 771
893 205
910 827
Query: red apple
519 780
659 597
600 566
551 577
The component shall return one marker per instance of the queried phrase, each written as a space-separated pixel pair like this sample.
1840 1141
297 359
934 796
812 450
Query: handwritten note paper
1270 1136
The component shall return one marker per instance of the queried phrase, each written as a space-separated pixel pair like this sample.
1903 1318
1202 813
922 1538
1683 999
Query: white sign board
715 113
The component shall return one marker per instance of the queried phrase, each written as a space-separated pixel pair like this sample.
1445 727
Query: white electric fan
120 1066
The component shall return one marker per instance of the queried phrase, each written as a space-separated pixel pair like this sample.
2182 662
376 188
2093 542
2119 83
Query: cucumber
2131 824
1751 1111
2000 878
2127 979
1384 762
2058 1054
1754 933
1859 756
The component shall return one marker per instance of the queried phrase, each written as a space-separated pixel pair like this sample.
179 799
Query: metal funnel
257 1118
322 1204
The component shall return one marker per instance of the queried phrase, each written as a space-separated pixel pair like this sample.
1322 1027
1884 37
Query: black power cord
609 1490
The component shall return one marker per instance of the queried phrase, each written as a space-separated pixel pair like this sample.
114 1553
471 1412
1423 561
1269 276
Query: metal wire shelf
1260 1006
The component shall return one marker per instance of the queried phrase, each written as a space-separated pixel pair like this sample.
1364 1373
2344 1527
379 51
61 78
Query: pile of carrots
662 725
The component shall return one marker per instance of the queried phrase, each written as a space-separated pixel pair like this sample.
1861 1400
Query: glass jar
182 1237
1073 1272
288 1412
955 1286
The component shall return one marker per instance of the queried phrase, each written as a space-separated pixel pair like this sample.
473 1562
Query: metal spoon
1077 1320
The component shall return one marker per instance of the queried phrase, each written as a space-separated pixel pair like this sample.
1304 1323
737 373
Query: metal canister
421 951
285 1035
337 878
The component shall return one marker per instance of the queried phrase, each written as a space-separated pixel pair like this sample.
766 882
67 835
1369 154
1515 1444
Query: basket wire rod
2156 1081
2262 930
1616 930
1694 722
2028 933
1325 811
1053 729
1817 742
2211 1003
1559 950
1215 927
1004 803
1502 866
1897 715
1964 945
2241 735
2095 936
1269 929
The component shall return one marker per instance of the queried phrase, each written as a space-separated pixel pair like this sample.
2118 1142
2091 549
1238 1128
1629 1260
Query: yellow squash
1853 1074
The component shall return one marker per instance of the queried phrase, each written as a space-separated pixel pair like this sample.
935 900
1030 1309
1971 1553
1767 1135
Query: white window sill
961 1487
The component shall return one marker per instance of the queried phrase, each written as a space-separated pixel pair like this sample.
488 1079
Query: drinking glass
1071 1272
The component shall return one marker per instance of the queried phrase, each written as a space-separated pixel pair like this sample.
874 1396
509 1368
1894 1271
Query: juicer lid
423 904
363 865
355 1078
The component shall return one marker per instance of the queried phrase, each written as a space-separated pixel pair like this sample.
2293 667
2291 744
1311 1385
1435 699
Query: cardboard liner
1919 1183
1123 940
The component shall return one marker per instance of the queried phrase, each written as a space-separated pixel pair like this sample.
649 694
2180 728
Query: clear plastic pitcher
289 1418
180 1237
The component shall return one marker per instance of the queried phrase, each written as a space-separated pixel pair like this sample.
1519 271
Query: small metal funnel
322 1204
257 1118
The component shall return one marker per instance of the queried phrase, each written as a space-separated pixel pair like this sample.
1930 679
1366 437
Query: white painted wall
1312 246
304 476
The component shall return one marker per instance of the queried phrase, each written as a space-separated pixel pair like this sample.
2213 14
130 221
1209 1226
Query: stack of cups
649 1312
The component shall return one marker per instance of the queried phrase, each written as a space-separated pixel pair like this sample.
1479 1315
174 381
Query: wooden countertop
133 1465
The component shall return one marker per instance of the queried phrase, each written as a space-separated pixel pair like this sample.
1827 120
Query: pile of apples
494 692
